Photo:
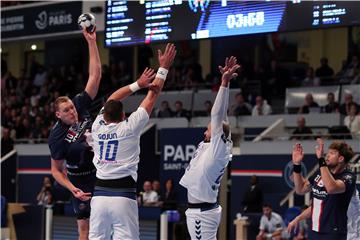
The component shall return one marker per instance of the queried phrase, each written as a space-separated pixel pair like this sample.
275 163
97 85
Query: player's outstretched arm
143 82
294 223
165 61
58 174
93 82
219 109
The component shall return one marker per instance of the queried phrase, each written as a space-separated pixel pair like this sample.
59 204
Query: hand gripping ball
87 21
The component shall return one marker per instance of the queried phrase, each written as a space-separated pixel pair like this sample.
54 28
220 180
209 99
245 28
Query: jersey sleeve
218 111
82 102
138 120
98 121
56 151
262 223
349 180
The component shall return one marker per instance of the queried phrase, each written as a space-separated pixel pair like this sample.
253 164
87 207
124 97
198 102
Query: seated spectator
169 197
253 198
207 110
324 72
240 108
180 111
309 105
352 121
165 110
332 106
271 225
148 197
45 197
351 70
7 144
261 107
310 79
156 187
345 107
302 132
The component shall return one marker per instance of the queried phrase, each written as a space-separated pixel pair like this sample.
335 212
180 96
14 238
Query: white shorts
114 216
203 224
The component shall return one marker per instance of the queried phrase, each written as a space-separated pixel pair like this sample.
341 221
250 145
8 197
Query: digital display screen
139 22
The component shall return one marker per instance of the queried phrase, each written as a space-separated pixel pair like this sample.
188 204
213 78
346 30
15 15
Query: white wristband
134 87
162 73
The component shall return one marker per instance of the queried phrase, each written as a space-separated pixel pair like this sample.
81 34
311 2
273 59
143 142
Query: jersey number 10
111 148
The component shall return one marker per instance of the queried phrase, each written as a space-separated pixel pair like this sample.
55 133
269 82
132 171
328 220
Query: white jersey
206 168
117 145
353 214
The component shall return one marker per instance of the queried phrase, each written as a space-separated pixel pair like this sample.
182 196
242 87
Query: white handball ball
87 21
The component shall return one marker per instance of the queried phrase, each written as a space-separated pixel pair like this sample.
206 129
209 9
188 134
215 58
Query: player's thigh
100 221
125 218
203 224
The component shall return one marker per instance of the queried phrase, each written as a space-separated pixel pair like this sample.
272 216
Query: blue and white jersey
206 168
117 145
353 214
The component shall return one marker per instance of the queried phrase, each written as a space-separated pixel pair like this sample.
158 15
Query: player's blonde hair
59 101
344 150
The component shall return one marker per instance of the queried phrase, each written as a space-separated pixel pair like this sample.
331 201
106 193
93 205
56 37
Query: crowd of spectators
27 101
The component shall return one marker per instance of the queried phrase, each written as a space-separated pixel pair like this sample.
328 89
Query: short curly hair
344 150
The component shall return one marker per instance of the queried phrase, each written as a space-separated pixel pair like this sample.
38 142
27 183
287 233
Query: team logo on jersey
320 183
76 130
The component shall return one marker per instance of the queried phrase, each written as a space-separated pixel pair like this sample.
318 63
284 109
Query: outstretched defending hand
229 63
90 37
167 58
319 149
293 225
145 80
297 154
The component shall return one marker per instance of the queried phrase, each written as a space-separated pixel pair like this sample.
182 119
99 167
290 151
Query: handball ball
87 21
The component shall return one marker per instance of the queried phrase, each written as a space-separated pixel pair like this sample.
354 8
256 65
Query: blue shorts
86 184
326 236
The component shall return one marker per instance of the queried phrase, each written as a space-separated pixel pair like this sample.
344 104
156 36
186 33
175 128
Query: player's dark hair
113 111
344 150
267 205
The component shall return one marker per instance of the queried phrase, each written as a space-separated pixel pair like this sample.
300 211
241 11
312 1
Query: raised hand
319 149
90 37
167 58
78 193
297 154
230 73
229 63
146 78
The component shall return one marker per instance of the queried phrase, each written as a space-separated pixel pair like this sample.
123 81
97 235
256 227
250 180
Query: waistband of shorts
85 173
120 183
130 195
203 206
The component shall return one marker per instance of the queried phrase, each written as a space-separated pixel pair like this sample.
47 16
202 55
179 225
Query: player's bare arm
93 83
302 185
165 61
57 170
306 214
143 82
332 186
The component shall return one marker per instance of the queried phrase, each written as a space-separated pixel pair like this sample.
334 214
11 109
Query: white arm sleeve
219 110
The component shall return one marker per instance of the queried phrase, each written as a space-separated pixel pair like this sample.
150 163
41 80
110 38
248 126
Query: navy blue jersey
329 210
69 142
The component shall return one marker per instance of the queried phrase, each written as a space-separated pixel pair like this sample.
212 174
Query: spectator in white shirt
261 107
149 197
352 121
271 225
